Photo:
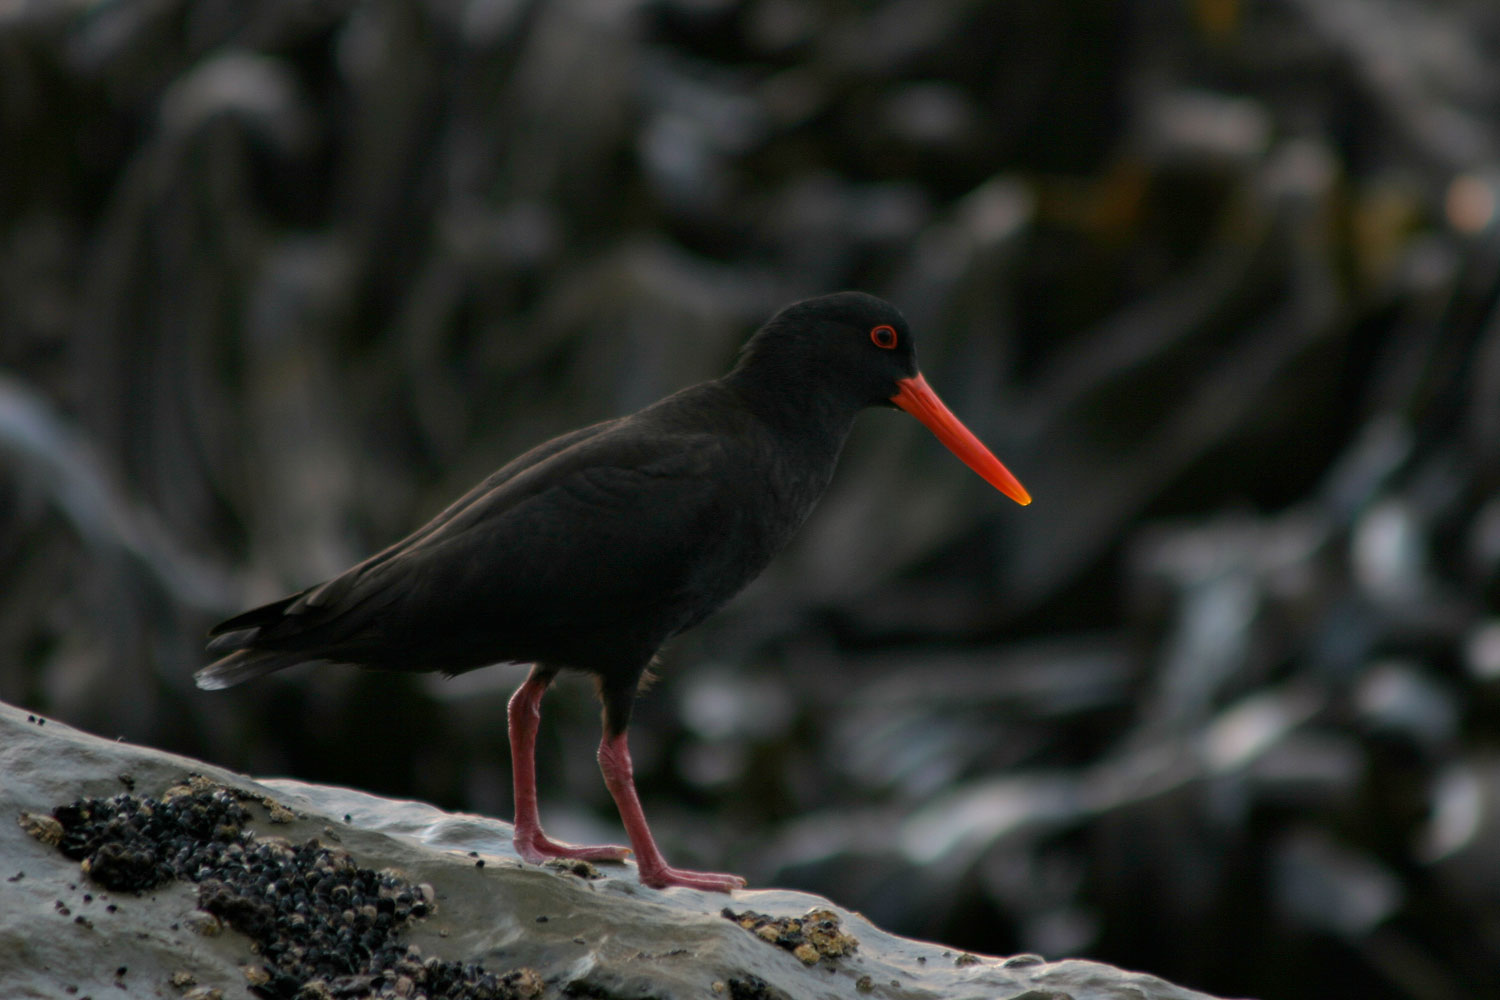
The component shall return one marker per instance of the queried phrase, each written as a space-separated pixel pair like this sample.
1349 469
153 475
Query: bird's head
855 350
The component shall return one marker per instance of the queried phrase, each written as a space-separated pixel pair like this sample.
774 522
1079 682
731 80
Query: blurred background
1216 279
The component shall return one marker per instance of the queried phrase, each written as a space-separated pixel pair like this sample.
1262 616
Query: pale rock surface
610 936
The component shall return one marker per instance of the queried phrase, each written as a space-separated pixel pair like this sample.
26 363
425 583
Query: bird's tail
245 664
235 643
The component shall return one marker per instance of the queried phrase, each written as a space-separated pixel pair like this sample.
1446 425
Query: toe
539 848
706 881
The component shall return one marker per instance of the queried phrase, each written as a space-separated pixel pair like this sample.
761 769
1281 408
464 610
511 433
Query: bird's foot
665 877
537 847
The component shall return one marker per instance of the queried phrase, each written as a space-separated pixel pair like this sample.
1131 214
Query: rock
536 931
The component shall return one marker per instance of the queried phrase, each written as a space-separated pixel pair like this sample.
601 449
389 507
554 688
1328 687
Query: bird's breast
767 494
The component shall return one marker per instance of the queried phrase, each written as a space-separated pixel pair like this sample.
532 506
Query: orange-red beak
921 402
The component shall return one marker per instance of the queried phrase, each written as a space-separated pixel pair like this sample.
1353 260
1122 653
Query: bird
588 552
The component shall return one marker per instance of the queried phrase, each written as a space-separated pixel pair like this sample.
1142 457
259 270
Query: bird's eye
884 336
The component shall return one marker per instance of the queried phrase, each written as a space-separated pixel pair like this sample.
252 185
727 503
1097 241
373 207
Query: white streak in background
1243 733
1458 808
1482 651
1389 552
256 89
1324 885
977 815
52 458
1398 698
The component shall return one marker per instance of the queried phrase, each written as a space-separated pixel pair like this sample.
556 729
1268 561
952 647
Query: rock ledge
542 932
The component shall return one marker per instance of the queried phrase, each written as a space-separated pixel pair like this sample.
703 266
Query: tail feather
247 664
266 614
228 642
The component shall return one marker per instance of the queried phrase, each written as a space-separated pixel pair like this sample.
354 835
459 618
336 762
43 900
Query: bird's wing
498 490
599 516
600 510
332 591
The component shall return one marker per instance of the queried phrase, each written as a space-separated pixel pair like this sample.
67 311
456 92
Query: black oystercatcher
591 550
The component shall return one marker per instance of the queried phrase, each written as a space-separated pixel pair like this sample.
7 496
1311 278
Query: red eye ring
883 336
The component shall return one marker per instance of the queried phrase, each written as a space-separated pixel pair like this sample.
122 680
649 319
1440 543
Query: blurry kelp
277 280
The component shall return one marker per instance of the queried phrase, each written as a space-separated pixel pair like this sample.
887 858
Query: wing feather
586 523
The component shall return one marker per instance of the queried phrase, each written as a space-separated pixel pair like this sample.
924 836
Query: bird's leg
614 761
524 713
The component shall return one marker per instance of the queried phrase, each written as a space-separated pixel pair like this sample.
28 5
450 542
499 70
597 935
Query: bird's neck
793 404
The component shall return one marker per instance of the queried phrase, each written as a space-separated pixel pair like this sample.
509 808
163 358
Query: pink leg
614 761
525 712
